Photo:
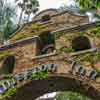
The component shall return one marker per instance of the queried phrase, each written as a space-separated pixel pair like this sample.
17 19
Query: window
45 43
8 65
45 18
81 43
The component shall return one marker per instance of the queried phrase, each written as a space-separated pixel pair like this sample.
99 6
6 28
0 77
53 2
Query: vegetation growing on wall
3 55
96 31
30 30
71 96
9 93
40 75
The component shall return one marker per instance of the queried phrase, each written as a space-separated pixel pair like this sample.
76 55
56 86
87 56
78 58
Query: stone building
52 37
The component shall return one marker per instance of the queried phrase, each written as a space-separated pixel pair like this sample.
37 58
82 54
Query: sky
44 4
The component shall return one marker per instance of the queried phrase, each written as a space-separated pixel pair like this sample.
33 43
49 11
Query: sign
80 70
6 84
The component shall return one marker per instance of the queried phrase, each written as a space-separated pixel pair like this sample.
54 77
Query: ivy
9 93
40 75
69 95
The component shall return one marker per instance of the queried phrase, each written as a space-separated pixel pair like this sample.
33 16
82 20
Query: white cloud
44 4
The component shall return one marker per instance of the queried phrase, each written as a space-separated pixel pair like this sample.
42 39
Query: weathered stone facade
26 50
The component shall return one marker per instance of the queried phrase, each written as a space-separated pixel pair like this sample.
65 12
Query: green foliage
9 93
98 71
7 13
96 31
65 50
89 4
8 77
40 75
84 4
3 55
71 96
28 7
97 56
88 57
20 36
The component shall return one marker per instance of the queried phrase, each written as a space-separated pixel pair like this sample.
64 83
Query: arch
46 43
8 65
81 43
45 12
36 88
45 18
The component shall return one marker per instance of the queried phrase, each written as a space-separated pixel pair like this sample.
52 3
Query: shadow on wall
8 65
45 43
81 43
36 88
45 18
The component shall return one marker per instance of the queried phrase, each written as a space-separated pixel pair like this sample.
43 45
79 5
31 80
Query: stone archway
8 65
37 88
81 43
45 43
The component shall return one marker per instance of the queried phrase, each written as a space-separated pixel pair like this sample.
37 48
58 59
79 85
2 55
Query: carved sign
6 84
80 69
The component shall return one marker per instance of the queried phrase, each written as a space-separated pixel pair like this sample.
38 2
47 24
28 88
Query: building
52 37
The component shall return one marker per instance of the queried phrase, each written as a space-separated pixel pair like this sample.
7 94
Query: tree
31 7
7 12
89 4
27 7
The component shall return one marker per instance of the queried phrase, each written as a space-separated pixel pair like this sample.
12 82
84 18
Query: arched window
46 43
8 65
81 43
45 18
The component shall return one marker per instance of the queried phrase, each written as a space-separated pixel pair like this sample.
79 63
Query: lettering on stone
6 84
93 75
27 74
82 71
19 77
79 69
1 89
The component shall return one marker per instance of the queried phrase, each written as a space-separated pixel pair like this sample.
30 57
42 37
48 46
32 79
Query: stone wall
23 53
37 88
58 20
25 50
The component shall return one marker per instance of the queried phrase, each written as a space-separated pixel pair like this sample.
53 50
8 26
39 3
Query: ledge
46 22
45 55
83 52
20 42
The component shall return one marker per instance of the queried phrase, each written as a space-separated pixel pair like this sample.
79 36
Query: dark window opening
45 18
81 43
8 65
45 43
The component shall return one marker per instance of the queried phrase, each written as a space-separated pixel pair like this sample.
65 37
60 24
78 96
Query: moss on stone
3 55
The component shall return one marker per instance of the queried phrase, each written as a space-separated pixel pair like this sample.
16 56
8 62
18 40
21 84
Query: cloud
44 4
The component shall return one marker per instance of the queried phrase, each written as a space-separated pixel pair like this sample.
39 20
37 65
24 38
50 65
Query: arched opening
81 43
45 18
36 88
8 65
45 43
63 95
